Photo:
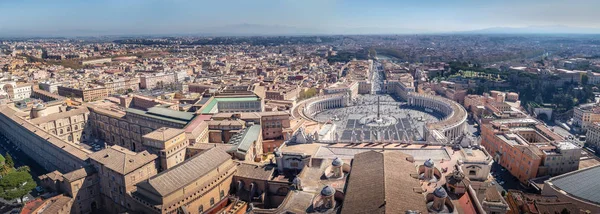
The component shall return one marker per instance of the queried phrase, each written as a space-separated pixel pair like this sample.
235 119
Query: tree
584 79
5 169
16 185
24 169
311 92
9 161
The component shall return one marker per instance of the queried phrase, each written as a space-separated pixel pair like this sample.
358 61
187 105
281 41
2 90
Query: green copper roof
216 100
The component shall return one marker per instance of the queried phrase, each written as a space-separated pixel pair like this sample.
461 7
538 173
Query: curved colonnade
449 128
308 108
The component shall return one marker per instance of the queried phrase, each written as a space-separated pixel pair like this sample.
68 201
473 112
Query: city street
20 159
566 134
505 180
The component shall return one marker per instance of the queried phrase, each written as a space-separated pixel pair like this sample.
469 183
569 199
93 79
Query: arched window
70 138
200 209
222 194
76 127
61 131
212 201
68 128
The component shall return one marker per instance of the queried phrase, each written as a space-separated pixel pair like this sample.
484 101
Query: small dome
337 162
429 163
327 191
440 192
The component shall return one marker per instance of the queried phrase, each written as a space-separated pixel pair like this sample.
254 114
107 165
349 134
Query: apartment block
86 94
528 149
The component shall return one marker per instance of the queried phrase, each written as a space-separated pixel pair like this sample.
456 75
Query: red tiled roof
467 204
30 206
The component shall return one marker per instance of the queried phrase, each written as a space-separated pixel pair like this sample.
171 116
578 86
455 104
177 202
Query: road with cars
20 159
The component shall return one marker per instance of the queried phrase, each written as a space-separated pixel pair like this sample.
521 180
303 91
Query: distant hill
258 30
554 29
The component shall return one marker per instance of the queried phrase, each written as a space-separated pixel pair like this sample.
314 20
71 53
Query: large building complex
225 104
311 124
14 91
528 149
586 115
84 93
46 148
197 185
156 80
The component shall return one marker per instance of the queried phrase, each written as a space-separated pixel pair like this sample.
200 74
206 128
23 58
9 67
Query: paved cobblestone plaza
401 122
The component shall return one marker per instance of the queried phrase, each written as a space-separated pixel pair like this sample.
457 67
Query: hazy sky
192 16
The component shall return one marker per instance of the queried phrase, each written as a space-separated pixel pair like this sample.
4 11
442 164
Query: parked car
39 189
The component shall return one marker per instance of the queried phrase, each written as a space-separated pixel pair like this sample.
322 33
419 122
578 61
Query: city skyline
234 17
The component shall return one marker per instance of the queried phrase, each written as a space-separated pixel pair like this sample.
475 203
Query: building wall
584 118
22 92
364 87
116 187
84 94
515 159
170 153
122 85
45 153
526 161
49 87
151 82
69 129
563 162
273 126
593 135
198 195
282 95
14 91
85 193
115 130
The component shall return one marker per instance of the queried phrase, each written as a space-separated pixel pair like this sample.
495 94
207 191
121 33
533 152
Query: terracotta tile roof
258 172
122 160
33 205
195 128
466 204
185 173
163 134
382 183
56 204
60 115
79 173
54 175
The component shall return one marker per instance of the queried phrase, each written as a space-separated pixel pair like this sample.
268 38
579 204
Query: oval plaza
350 117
